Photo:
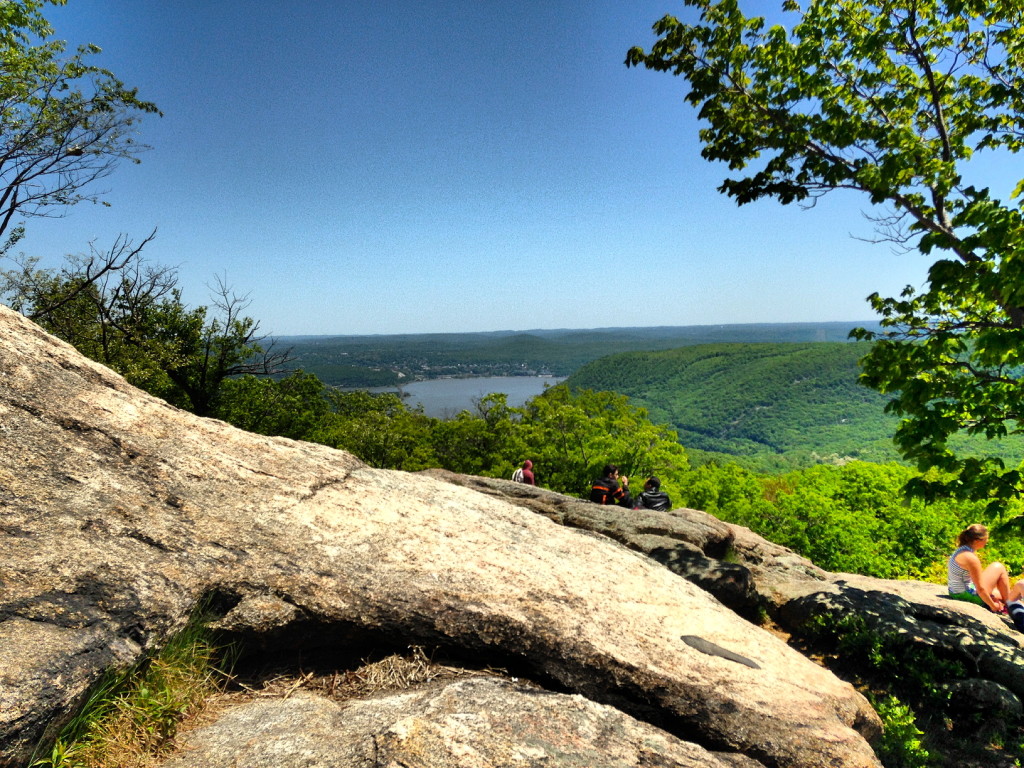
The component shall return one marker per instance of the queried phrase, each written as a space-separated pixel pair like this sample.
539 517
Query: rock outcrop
798 596
119 513
485 722
732 563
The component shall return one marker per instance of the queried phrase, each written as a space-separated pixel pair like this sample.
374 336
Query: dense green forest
773 406
800 401
366 361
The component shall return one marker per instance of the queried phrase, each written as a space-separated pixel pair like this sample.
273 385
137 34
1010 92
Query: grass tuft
130 718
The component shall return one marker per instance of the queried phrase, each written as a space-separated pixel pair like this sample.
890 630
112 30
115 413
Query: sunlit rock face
756 577
120 513
486 722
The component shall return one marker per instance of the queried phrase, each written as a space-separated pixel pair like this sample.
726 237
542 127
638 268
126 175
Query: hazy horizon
851 323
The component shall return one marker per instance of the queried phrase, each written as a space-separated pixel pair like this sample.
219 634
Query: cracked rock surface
759 575
482 722
118 513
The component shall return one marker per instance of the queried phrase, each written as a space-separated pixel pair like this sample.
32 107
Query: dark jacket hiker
608 491
653 497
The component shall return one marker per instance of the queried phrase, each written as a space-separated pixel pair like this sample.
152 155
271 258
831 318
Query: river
444 398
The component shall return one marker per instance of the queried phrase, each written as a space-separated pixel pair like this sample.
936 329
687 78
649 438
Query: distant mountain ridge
388 359
798 401
773 406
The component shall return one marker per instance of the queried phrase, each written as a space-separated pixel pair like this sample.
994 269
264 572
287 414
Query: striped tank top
958 578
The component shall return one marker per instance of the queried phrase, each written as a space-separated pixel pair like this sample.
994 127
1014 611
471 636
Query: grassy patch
131 717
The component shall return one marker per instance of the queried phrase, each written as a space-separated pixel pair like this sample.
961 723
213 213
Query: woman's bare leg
996 581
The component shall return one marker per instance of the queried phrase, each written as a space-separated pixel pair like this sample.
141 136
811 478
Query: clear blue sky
452 165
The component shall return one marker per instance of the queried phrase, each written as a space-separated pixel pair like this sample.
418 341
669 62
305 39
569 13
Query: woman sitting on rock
968 581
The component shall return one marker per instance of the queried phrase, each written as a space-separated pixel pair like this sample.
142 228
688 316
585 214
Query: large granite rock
732 563
799 597
120 513
481 722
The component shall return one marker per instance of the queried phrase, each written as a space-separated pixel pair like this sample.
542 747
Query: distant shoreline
643 329
397 360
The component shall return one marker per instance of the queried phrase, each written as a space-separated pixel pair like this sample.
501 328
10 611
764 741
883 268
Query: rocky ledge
119 514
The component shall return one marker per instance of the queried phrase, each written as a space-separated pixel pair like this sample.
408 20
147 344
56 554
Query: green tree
64 122
379 429
571 435
133 319
721 489
891 100
485 441
296 406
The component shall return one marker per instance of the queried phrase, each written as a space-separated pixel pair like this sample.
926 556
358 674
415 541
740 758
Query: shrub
900 745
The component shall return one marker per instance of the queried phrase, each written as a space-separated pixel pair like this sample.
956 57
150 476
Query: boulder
483 721
976 702
801 599
121 513
909 615
693 544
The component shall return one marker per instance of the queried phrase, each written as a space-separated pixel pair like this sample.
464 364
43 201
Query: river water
444 398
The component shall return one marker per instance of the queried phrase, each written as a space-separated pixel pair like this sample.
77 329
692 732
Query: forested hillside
800 401
777 405
360 361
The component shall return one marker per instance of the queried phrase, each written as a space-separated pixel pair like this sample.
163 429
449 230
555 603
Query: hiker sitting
968 581
653 497
608 490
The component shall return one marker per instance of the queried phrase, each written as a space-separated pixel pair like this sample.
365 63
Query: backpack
517 476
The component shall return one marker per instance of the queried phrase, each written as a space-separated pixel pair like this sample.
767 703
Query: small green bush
900 745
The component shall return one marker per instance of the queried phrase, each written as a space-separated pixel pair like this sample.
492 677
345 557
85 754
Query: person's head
652 484
527 464
973 534
610 470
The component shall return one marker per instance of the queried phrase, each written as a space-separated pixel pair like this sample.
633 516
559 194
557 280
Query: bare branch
97 267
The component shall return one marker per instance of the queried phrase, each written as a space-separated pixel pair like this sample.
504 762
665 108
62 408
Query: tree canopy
64 122
893 100
130 316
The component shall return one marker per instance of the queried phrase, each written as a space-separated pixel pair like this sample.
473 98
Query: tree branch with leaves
119 310
891 99
65 123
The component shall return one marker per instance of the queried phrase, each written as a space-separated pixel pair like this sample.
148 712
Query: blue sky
453 165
